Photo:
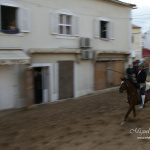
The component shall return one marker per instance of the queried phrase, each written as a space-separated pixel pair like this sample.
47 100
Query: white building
68 45
136 42
146 39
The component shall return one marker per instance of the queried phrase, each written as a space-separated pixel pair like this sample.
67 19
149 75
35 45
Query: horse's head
123 85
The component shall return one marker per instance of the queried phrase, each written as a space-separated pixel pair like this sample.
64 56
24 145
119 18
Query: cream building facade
136 42
63 48
146 38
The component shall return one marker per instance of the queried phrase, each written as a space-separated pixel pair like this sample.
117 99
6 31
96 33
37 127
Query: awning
55 51
9 57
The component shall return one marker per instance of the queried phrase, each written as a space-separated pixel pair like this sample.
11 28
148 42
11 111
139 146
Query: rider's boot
143 100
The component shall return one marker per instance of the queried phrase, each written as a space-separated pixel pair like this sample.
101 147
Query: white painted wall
41 37
83 73
8 93
146 40
136 44
85 78
86 10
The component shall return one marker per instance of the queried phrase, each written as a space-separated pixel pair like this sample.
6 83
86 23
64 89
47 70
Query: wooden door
105 78
66 79
119 66
45 82
29 82
110 74
100 76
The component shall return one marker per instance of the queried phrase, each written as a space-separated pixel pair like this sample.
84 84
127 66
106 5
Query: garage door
119 66
66 79
105 78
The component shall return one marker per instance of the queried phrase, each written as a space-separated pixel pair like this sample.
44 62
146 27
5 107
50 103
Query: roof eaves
123 3
135 26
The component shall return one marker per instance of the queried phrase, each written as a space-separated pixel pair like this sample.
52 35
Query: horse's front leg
127 114
134 112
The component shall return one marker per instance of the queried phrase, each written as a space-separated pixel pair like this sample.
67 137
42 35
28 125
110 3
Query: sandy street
87 123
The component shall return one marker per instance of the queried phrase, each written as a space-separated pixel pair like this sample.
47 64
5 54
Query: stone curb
9 111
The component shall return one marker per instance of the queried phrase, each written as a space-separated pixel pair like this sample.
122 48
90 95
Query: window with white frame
14 18
103 29
65 23
8 18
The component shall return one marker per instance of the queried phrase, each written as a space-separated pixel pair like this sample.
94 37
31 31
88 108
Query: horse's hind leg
134 112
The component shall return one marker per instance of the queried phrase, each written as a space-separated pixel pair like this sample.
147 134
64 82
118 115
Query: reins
134 92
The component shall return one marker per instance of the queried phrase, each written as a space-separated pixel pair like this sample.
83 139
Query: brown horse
132 96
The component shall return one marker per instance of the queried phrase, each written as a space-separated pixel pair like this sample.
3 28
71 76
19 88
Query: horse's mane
131 81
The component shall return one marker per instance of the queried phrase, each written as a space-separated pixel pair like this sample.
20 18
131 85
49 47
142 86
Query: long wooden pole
123 73
120 72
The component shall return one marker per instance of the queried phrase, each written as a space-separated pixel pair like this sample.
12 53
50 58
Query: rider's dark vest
141 77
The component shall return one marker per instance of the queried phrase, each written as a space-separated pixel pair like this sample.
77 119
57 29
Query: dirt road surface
87 123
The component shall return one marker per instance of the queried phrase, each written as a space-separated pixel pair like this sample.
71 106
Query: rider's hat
141 64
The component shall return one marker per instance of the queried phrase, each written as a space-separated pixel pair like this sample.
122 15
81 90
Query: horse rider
129 72
141 81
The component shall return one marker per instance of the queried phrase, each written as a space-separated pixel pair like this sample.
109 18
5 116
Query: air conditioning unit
87 54
85 42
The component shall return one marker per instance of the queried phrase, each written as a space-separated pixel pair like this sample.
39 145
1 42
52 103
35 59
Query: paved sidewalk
10 111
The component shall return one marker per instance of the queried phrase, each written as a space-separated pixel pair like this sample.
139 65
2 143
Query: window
103 29
8 19
14 18
65 24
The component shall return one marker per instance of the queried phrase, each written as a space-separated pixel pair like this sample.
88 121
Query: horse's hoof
122 123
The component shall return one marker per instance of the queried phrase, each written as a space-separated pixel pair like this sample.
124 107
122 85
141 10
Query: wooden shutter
75 26
54 23
29 82
97 29
24 19
111 30
45 81
26 25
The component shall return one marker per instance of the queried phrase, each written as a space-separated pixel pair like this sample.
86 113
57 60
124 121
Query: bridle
127 88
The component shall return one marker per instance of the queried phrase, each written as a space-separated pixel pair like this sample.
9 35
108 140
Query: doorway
38 85
40 75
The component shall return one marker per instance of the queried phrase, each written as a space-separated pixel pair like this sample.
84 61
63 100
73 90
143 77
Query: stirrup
141 106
